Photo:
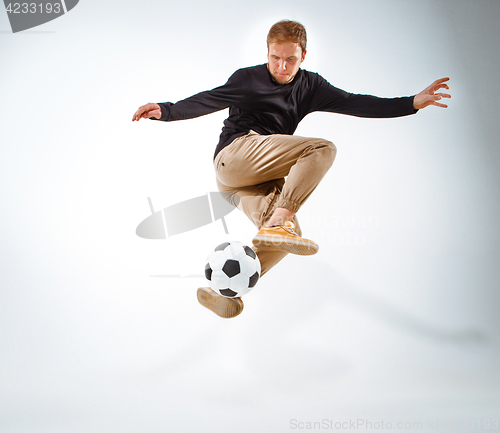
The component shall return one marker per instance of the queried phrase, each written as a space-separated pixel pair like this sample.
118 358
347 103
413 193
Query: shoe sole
294 246
220 305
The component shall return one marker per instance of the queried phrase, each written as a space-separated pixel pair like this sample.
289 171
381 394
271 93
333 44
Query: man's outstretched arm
198 105
334 100
428 96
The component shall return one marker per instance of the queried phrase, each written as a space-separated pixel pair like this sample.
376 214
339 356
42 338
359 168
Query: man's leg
280 216
255 159
258 202
250 172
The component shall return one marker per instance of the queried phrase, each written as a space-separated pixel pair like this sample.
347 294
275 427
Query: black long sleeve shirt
256 102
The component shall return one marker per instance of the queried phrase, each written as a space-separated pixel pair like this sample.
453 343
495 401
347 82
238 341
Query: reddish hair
288 31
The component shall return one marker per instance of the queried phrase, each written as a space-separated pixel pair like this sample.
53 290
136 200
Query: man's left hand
428 96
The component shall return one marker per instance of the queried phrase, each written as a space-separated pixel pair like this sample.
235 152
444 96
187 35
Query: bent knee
331 151
328 151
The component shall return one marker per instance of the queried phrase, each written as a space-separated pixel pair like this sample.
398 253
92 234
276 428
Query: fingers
441 80
437 104
145 111
438 84
138 114
441 86
437 97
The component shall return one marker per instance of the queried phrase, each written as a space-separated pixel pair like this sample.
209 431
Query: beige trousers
251 173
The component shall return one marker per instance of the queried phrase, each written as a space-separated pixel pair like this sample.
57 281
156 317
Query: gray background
395 319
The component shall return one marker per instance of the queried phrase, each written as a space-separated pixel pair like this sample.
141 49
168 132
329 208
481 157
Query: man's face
283 60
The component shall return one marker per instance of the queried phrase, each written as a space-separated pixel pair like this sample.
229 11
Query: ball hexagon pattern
232 269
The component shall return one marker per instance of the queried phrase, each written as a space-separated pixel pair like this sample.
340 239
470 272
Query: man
257 148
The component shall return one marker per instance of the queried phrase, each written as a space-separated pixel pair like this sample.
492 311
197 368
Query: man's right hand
147 111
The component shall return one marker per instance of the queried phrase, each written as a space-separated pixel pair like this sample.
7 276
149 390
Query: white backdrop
395 319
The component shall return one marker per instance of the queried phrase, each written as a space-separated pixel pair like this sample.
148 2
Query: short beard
290 79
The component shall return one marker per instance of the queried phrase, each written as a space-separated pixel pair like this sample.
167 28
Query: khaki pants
251 172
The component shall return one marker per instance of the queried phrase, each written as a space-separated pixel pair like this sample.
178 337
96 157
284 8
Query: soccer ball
232 269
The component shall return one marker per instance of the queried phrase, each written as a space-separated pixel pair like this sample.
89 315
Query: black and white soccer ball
232 269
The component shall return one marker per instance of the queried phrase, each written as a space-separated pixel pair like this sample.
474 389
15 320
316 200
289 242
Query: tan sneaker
284 238
220 305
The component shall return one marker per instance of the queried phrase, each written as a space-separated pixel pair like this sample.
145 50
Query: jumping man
257 148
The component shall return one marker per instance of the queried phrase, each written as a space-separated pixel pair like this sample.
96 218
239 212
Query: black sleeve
331 99
206 102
